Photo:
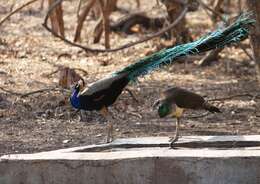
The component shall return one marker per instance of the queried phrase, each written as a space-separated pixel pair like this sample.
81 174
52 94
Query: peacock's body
101 93
104 93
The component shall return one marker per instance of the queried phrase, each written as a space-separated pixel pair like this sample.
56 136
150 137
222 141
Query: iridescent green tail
236 32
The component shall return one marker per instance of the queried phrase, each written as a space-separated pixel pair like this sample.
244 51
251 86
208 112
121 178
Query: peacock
175 100
103 93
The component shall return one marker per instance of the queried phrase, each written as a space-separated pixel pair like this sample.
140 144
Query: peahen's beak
156 103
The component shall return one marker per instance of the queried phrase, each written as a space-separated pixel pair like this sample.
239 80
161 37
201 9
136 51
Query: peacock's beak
81 84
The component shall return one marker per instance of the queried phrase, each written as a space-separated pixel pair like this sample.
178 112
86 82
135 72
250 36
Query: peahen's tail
237 31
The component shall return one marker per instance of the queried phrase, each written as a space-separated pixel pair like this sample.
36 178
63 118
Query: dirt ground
46 121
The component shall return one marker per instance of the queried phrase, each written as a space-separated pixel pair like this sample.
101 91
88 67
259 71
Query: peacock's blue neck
74 99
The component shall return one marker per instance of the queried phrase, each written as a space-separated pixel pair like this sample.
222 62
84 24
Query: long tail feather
236 32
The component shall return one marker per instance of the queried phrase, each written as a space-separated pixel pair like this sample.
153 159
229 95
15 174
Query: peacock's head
74 98
163 108
79 85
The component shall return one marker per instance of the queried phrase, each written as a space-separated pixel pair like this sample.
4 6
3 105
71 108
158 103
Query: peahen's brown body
173 102
187 100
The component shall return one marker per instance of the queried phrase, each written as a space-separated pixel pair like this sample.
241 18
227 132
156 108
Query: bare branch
105 15
234 96
81 19
41 91
212 10
217 14
245 51
88 49
16 10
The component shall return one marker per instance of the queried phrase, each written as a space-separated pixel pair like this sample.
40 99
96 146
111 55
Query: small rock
99 135
43 58
65 141
22 54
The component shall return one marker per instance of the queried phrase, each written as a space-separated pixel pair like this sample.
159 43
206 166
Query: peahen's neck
74 99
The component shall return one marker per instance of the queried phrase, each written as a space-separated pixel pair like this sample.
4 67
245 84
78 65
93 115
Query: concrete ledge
196 160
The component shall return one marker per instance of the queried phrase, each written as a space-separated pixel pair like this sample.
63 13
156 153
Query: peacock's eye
76 87
163 110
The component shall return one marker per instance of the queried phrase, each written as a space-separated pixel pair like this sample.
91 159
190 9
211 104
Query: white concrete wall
140 166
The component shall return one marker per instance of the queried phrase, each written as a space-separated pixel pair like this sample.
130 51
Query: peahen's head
74 98
163 108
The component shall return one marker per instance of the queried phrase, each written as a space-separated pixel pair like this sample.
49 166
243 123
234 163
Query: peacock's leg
132 94
105 113
176 136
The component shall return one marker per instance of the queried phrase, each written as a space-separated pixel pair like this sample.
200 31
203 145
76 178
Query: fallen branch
125 23
63 55
61 67
23 95
10 92
39 91
52 73
234 96
210 57
16 10
88 49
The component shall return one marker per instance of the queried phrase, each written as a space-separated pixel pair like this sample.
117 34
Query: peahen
103 93
175 100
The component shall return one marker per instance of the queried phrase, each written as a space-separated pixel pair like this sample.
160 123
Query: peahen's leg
176 136
110 131
105 113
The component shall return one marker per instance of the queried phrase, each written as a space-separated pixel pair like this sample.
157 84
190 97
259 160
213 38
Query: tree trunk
180 31
56 18
217 8
254 6
174 9
81 18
